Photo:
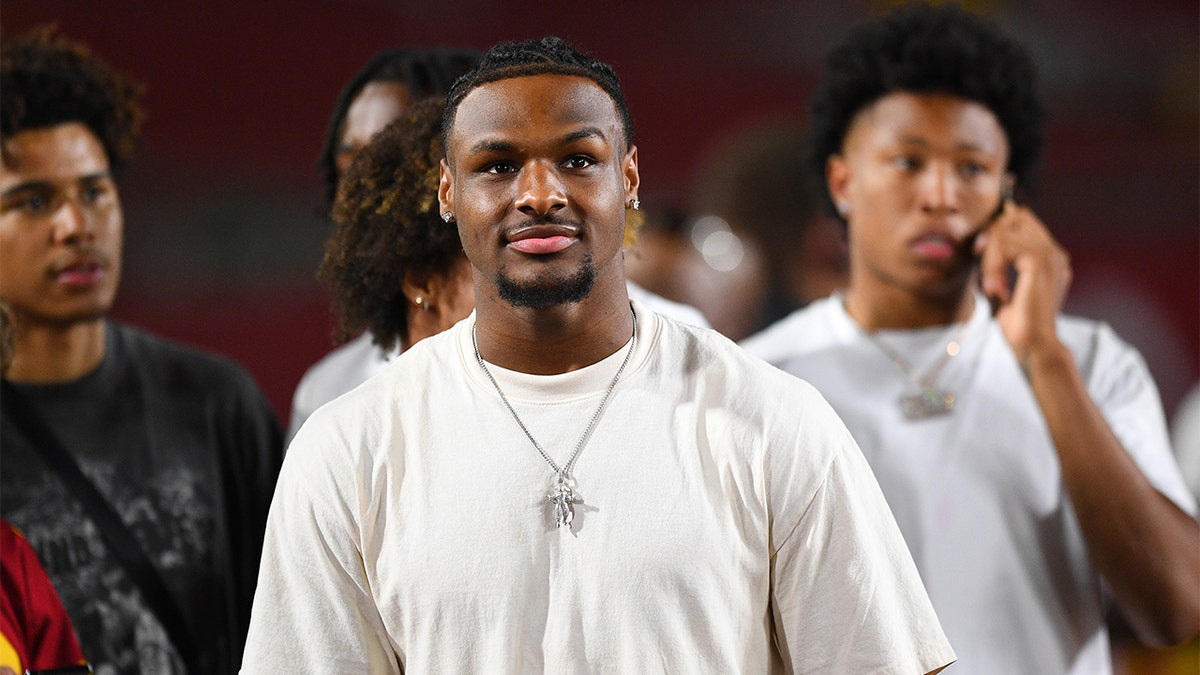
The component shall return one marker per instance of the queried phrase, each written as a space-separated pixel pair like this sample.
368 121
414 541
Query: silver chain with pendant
562 497
932 401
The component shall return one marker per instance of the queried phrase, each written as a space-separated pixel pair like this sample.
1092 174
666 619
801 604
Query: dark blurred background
223 238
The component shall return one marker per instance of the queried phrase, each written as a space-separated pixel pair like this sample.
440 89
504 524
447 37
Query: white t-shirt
978 492
336 373
1185 439
728 524
351 364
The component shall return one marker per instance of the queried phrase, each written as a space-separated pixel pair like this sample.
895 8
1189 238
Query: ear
629 167
837 178
415 286
445 188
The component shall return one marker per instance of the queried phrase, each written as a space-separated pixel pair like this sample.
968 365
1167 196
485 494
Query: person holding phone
1024 452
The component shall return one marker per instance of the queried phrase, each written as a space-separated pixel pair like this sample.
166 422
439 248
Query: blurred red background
222 234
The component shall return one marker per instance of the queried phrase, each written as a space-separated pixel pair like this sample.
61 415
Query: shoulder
1097 348
368 375
670 308
767 415
353 430
183 372
176 358
341 370
803 331
751 386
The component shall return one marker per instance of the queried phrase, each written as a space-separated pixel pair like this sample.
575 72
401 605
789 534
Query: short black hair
426 72
940 49
549 55
47 80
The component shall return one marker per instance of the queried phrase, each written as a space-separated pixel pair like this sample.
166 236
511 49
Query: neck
420 325
890 307
55 354
557 339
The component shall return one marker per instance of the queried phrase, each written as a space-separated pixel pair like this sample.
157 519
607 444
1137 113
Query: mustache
86 253
548 219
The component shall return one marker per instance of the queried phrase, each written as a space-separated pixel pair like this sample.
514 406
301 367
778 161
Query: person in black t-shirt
181 446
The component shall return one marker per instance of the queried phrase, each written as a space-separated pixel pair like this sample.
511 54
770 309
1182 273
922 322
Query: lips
542 239
80 273
935 246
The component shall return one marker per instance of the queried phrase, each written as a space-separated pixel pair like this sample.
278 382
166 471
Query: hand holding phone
1025 274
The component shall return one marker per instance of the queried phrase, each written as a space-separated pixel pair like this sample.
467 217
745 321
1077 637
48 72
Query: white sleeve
846 595
1122 387
313 610
302 407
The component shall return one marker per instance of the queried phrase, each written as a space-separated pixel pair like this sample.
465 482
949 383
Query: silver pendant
561 498
929 403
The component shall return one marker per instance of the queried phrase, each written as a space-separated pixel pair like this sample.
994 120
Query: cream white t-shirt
728 524
978 493
351 364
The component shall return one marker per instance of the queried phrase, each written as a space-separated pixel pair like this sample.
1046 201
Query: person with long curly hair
395 269
1023 452
380 92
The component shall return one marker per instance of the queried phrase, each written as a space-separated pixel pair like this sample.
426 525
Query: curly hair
47 80
424 72
940 49
386 225
549 55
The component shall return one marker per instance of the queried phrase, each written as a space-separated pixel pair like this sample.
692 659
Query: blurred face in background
375 106
60 227
919 176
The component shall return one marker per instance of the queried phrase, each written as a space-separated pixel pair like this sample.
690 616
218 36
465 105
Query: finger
996 256
1005 212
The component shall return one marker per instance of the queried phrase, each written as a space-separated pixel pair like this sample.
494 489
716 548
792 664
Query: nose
72 223
939 189
541 190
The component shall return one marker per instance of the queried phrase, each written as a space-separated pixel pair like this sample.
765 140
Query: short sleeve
846 594
1122 387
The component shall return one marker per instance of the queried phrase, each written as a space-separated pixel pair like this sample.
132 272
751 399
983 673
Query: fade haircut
47 80
547 56
425 73
925 49
386 226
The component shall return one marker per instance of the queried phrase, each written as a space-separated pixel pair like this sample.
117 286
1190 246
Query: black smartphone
1006 196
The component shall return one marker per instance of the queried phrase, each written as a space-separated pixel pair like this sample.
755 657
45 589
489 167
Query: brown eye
33 204
579 162
93 193
972 169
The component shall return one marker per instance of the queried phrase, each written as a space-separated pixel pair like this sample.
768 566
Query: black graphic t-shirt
186 450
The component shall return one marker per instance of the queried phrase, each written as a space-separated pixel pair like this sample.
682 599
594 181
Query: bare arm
1146 548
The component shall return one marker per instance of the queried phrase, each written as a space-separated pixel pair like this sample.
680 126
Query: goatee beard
546 290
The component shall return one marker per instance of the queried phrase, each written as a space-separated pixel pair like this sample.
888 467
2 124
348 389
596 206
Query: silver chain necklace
562 496
931 402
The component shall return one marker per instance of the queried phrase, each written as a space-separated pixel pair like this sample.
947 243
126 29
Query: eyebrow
586 132
970 147
43 185
487 145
